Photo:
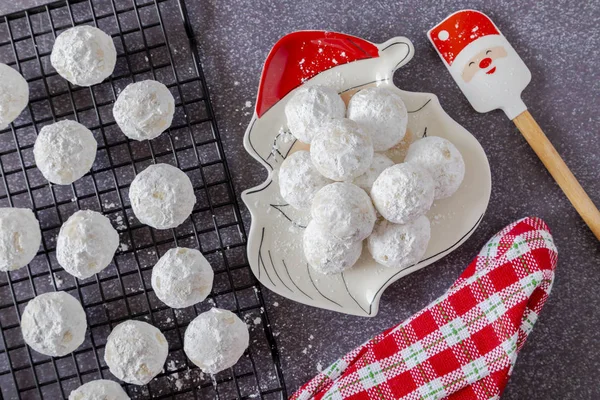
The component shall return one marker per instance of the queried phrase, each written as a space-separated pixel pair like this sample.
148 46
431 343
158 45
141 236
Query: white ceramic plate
275 241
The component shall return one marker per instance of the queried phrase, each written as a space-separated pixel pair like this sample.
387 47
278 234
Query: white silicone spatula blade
492 75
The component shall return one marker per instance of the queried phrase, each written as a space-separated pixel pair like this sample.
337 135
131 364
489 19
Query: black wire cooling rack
154 40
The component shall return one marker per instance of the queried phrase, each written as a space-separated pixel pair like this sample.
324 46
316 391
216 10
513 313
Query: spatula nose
486 62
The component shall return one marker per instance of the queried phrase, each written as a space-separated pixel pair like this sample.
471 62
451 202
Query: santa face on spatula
482 62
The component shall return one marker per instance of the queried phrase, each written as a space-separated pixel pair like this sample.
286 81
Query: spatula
492 75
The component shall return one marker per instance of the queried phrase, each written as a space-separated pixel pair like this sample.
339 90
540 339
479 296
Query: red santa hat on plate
300 56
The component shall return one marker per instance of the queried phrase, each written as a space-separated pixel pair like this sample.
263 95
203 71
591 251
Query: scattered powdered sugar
341 150
177 382
56 279
54 324
86 243
344 210
121 226
180 379
440 218
403 192
282 243
171 365
257 321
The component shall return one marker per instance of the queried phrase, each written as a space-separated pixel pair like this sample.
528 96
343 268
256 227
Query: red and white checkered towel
464 344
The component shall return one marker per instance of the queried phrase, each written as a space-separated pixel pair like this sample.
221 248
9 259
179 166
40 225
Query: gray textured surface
559 42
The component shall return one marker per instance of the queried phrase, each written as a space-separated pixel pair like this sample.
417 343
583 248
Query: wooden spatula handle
559 170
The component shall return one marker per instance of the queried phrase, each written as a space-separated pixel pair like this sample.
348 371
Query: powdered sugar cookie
399 246
341 150
382 113
442 160
403 192
309 108
344 210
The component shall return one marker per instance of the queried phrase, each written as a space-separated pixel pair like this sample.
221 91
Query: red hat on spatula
482 62
463 345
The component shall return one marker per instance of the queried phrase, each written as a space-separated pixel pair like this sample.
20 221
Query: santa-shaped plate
347 64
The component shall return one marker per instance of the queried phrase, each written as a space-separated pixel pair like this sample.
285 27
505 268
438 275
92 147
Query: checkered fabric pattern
464 344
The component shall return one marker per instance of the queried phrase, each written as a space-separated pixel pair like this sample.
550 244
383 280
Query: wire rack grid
154 40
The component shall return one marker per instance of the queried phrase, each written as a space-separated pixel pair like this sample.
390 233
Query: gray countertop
559 42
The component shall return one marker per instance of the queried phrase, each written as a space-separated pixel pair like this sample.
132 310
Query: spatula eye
488 52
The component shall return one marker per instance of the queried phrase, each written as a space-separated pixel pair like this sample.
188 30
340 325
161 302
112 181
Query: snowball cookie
382 113
53 324
14 94
182 277
344 210
135 352
84 55
86 244
144 110
341 150
64 151
20 238
309 108
403 192
379 163
162 196
101 389
326 253
215 340
399 246
299 180
442 160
